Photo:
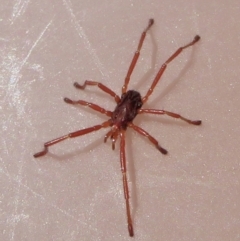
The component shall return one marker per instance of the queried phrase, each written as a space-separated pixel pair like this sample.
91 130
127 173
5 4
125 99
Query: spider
128 106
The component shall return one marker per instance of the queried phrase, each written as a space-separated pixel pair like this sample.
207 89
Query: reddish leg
100 85
164 66
71 135
136 55
174 115
152 139
91 105
113 135
125 182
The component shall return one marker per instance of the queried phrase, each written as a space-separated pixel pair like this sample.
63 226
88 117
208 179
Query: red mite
128 107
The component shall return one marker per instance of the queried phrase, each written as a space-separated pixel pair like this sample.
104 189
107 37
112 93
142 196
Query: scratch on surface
16 202
13 91
18 9
34 45
39 196
86 41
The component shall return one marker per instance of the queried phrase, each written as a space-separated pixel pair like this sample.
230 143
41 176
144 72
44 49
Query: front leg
100 86
71 135
91 105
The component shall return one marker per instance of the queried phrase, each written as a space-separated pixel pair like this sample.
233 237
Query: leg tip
113 146
36 155
130 230
197 38
198 122
162 150
67 100
41 153
151 22
78 86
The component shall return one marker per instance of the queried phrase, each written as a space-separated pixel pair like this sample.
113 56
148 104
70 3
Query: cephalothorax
128 107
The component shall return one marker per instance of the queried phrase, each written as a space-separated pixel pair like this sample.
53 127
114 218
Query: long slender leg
151 138
71 135
100 85
91 105
125 182
136 55
164 66
174 115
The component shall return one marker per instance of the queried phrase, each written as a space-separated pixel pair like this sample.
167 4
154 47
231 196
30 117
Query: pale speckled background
75 193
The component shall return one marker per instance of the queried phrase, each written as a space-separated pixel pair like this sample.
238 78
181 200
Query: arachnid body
129 105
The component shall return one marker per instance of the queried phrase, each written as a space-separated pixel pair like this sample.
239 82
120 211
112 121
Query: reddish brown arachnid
128 107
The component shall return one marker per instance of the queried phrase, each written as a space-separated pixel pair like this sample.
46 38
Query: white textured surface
75 193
